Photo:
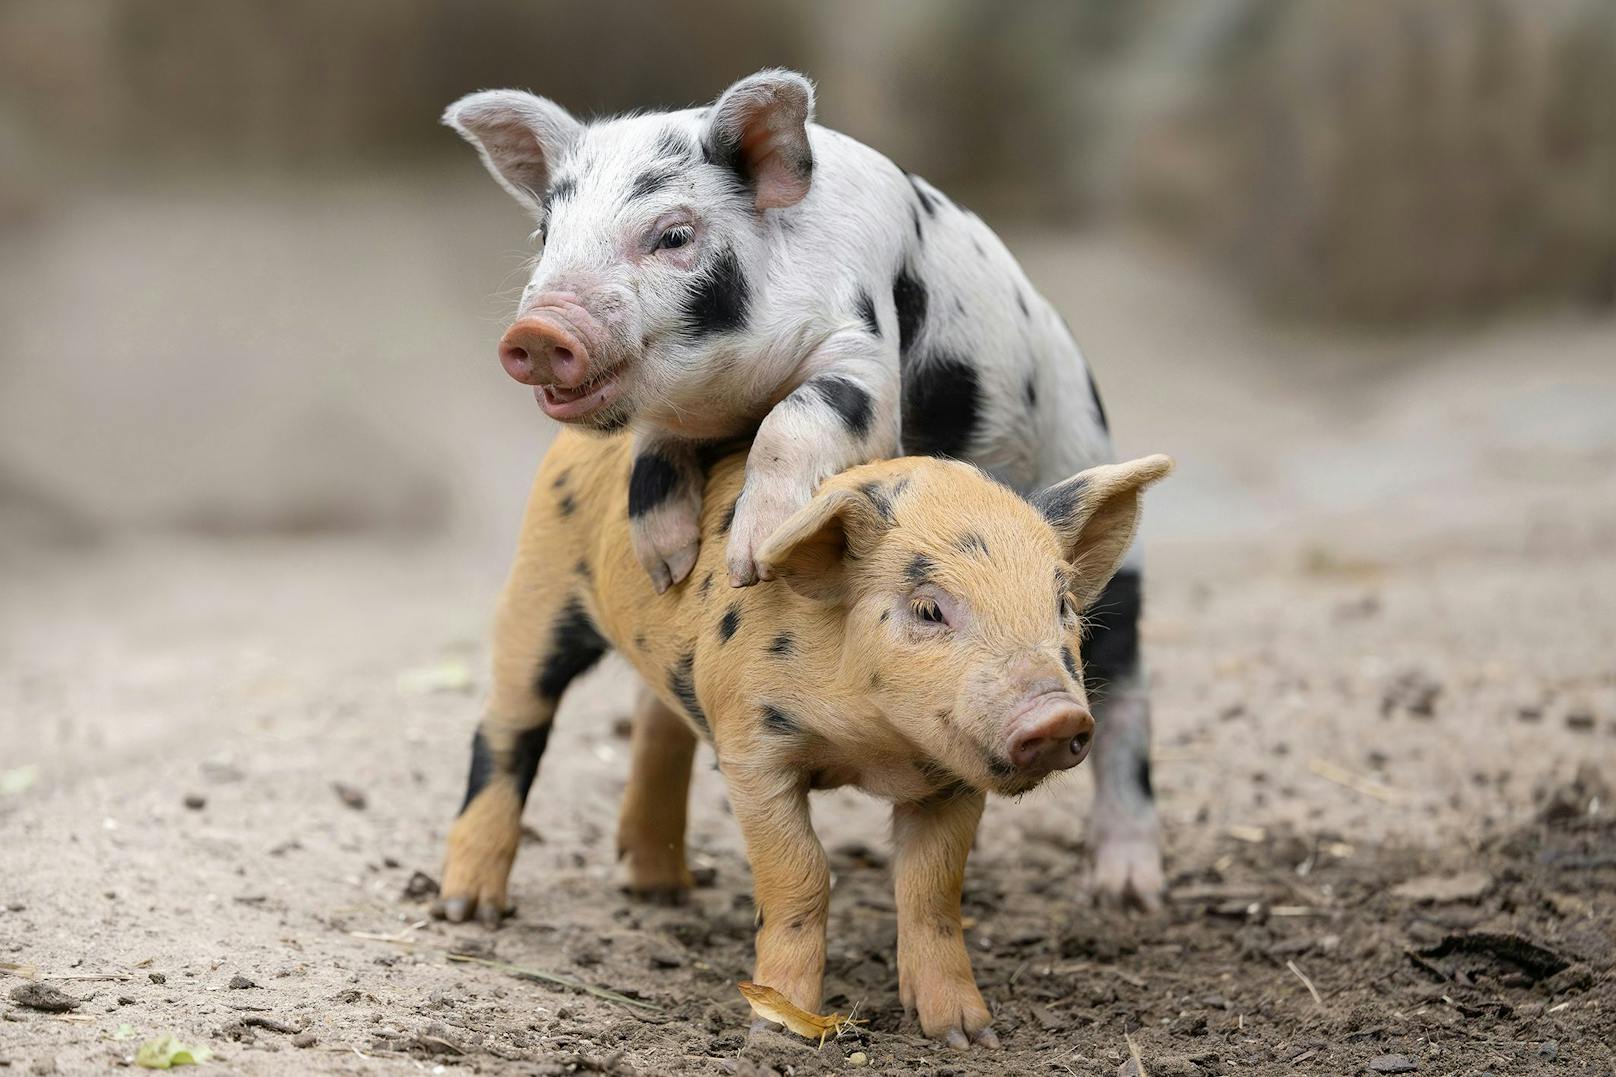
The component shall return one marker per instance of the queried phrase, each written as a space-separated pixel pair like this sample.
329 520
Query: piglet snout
541 349
1051 732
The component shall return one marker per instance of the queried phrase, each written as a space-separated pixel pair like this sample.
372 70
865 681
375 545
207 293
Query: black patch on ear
1059 503
1141 778
866 312
918 568
941 407
971 542
649 182
776 720
682 683
1111 651
1070 663
729 517
652 482
909 297
783 646
878 499
720 298
575 645
847 398
1094 392
567 505
729 623
927 202
1021 301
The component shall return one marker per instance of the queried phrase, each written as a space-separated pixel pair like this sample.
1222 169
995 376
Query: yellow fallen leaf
771 1005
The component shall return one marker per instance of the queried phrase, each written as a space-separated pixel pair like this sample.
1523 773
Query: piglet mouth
571 403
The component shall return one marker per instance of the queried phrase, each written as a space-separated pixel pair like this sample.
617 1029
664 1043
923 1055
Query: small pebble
1581 721
240 983
195 801
349 795
305 1039
157 977
1392 1064
858 1058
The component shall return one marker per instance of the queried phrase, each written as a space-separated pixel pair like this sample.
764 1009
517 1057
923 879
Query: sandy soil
1382 614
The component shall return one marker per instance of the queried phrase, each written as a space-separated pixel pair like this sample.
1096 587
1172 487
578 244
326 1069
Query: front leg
790 878
845 413
664 506
931 839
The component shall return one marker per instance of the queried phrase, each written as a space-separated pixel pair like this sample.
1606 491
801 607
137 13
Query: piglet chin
570 405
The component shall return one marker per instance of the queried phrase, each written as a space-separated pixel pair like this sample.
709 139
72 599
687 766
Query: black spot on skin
1069 662
719 301
884 615
1000 768
1111 651
1141 777
729 623
976 245
1021 301
1099 408
927 202
909 297
866 312
682 683
676 144
729 517
875 681
918 568
1059 503
639 641
941 407
582 569
652 482
575 645
776 720
971 542
1031 390
561 479
562 189
878 499
706 585
650 182
847 398
959 306
783 646
520 764
567 505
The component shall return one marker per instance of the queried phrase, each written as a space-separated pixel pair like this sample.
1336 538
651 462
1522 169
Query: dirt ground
1382 621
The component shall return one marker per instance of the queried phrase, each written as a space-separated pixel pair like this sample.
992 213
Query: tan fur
870 694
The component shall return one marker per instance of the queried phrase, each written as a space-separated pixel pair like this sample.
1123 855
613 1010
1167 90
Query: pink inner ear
778 181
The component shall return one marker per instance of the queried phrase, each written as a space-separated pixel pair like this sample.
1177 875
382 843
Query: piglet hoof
762 508
459 910
1128 874
666 543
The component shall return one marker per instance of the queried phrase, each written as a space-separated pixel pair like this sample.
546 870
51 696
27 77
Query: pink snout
1052 732
542 349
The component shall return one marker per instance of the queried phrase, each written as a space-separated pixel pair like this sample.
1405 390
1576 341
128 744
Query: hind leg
543 638
1124 835
651 827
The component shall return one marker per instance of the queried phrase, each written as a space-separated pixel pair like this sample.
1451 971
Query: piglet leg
932 839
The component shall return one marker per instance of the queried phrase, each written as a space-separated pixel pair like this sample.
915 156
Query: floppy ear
1095 513
759 130
520 138
810 551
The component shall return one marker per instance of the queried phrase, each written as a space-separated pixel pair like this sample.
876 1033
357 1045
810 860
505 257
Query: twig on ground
1306 983
1332 772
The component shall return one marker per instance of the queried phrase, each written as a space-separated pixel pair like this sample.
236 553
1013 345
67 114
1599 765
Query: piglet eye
927 610
675 237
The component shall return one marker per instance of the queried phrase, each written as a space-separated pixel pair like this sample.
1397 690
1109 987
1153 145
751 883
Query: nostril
1080 743
515 354
560 354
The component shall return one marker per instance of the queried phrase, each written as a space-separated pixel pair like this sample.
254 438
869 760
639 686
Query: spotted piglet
739 271
917 640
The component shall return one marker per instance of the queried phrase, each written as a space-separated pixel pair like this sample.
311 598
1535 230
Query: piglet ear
810 551
520 138
1095 513
759 130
